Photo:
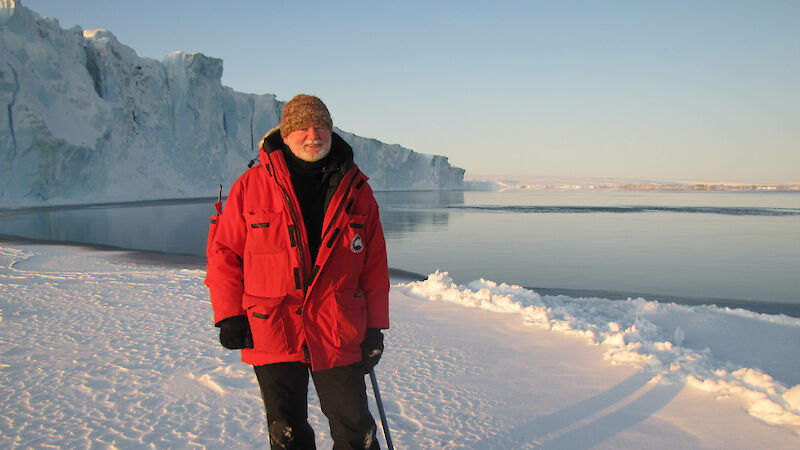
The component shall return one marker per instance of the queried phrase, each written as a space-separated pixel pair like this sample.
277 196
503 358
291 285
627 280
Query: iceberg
86 119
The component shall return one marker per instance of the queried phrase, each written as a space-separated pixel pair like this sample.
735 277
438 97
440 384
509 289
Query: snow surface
100 349
85 117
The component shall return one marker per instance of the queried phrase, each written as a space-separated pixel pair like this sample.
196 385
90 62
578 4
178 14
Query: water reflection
172 227
181 226
403 213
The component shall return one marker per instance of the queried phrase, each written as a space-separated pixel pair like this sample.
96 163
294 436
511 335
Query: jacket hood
341 151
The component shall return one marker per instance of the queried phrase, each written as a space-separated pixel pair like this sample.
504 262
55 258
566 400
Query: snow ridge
701 346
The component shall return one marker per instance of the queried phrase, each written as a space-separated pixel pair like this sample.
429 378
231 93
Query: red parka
259 264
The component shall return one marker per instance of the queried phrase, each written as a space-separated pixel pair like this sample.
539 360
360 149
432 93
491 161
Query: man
298 278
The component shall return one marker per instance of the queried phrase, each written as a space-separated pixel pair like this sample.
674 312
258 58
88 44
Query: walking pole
380 409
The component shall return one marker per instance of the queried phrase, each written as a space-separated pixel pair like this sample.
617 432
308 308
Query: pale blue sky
667 90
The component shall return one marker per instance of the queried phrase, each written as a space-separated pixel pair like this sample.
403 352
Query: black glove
234 333
371 349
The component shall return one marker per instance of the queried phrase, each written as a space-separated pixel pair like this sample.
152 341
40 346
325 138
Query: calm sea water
692 246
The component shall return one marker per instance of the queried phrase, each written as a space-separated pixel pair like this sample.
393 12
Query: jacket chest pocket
264 234
266 260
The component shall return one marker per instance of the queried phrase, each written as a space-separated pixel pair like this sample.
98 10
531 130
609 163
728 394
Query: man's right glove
234 333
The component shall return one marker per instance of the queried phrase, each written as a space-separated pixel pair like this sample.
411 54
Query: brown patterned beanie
304 111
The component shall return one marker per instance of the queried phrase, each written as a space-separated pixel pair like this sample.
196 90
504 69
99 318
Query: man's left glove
234 333
371 349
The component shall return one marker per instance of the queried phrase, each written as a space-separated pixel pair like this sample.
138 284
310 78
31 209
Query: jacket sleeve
374 278
224 270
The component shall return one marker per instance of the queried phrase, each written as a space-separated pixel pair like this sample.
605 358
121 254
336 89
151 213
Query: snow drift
720 350
86 117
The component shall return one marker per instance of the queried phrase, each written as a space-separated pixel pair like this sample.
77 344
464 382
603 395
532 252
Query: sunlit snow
98 350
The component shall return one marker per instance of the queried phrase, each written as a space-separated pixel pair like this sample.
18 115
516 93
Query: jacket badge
357 244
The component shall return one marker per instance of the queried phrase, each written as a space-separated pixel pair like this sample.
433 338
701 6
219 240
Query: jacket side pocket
266 323
352 318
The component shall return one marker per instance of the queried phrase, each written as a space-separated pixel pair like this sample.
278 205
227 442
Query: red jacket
259 264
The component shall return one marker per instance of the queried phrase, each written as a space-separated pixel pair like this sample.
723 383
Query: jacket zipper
297 233
317 268
339 208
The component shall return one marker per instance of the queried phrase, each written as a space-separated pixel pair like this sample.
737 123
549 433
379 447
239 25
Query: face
311 144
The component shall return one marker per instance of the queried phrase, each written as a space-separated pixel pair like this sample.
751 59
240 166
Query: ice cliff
86 120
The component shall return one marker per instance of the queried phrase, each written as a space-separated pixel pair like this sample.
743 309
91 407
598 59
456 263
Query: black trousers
342 395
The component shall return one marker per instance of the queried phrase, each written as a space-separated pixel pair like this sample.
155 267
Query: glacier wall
85 119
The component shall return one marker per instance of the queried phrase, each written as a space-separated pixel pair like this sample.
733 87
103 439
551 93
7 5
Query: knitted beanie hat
304 111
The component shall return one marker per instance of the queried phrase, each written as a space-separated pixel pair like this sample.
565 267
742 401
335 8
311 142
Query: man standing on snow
298 278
